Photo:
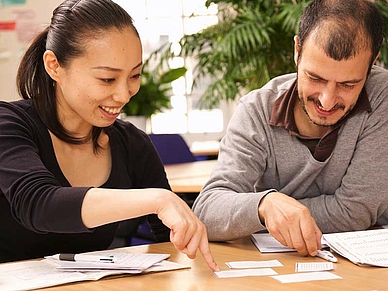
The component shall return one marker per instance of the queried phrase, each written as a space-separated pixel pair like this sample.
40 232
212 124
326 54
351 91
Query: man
307 153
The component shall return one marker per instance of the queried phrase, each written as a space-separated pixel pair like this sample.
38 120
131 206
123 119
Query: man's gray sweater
348 191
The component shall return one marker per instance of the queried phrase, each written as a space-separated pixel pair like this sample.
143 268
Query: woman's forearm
103 206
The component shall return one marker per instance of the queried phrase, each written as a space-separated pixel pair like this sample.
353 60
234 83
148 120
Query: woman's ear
51 65
374 62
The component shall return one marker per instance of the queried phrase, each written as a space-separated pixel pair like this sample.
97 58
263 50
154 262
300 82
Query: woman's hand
188 233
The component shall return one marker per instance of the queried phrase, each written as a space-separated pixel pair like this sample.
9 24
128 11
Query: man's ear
296 49
51 65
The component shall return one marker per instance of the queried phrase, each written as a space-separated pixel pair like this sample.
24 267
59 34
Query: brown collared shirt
282 115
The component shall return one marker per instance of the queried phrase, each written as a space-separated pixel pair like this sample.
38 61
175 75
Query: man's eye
314 79
348 86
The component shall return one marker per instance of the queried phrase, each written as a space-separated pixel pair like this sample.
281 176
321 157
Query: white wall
39 13
31 17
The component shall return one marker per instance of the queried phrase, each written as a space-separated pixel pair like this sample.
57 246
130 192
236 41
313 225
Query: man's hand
290 222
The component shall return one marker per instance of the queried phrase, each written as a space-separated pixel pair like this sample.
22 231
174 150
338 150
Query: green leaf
172 75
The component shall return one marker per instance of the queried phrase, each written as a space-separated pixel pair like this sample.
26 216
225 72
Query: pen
84 258
326 255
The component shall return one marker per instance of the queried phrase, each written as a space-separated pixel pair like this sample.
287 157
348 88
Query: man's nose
328 97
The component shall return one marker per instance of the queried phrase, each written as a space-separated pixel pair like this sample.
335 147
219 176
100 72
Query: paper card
245 273
304 277
254 264
314 267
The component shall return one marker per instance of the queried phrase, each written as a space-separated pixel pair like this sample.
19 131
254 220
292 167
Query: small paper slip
314 267
254 264
304 277
245 273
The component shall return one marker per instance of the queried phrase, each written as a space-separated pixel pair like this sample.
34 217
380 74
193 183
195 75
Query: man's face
328 89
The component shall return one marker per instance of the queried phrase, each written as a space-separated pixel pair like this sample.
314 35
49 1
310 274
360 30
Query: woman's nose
125 92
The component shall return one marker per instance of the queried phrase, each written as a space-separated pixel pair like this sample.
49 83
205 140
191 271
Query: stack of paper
368 247
130 262
266 243
31 275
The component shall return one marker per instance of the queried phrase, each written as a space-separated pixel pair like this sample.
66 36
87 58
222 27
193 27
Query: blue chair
172 148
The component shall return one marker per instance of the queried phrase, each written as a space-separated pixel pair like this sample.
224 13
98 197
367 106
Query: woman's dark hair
342 28
73 22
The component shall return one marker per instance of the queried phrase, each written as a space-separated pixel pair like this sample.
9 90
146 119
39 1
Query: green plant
153 95
251 43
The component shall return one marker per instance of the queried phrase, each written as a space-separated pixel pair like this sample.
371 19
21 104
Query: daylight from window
159 22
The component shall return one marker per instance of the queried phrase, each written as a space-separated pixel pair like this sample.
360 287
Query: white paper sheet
254 264
304 277
245 273
29 275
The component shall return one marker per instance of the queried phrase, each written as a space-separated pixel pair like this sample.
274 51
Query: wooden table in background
200 277
189 177
205 148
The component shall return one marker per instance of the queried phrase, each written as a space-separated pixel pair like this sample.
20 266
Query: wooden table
200 277
205 148
189 177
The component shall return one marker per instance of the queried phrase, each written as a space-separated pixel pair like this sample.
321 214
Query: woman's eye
137 76
108 81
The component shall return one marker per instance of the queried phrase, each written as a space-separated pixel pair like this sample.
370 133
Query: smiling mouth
323 109
109 110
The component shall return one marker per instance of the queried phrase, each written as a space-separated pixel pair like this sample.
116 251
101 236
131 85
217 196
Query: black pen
84 258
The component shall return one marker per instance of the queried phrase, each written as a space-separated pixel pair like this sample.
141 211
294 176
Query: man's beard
311 99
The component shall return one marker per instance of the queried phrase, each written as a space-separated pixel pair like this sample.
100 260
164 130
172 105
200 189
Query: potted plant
153 95
251 43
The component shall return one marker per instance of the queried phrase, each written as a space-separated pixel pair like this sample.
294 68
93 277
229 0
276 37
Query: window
167 21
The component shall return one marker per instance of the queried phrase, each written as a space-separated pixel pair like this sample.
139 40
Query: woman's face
93 88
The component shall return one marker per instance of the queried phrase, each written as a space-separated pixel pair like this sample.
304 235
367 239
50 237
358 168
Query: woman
69 170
